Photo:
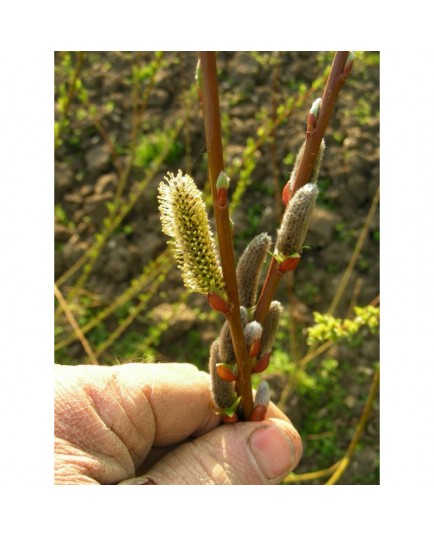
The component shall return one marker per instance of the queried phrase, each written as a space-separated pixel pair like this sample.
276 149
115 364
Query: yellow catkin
185 221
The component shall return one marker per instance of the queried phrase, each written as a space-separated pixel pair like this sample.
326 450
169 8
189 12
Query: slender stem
211 113
268 291
355 255
75 326
359 430
334 84
314 137
314 475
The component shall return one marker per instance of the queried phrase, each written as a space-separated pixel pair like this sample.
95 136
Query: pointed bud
226 372
313 116
249 268
348 65
261 363
289 264
286 193
260 405
222 186
218 302
223 181
262 396
252 335
295 222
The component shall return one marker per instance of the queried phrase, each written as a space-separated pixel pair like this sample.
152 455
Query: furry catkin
185 221
249 268
271 324
316 167
226 349
223 392
295 222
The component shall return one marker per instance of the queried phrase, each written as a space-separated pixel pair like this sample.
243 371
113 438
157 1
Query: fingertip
276 447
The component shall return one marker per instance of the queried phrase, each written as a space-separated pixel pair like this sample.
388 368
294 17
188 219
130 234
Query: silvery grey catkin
271 324
252 332
223 392
226 350
249 268
316 166
295 222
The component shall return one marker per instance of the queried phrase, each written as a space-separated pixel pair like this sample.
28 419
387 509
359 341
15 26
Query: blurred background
122 121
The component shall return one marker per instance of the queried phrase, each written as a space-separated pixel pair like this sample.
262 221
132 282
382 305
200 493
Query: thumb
242 453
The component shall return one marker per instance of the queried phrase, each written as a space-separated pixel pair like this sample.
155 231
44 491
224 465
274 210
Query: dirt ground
252 87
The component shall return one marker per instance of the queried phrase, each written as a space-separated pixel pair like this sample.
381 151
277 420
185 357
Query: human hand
115 423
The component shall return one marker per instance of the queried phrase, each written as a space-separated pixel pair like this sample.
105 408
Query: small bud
260 405
289 264
218 302
295 222
222 186
252 335
223 181
313 115
226 372
286 193
223 392
261 363
249 268
262 396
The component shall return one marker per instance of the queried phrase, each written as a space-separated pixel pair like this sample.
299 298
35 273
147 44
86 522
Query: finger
241 453
140 404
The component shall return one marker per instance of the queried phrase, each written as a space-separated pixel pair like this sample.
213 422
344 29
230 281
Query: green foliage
116 323
327 327
150 146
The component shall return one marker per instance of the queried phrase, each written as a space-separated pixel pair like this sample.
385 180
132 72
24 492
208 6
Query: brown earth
251 87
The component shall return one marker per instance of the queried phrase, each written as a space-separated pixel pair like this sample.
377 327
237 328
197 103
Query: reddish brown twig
315 131
211 113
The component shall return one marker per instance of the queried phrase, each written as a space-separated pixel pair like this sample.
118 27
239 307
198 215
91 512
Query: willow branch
314 135
211 113
335 81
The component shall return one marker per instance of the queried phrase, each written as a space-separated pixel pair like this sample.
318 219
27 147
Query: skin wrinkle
167 425
133 437
145 409
82 466
84 422
103 409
